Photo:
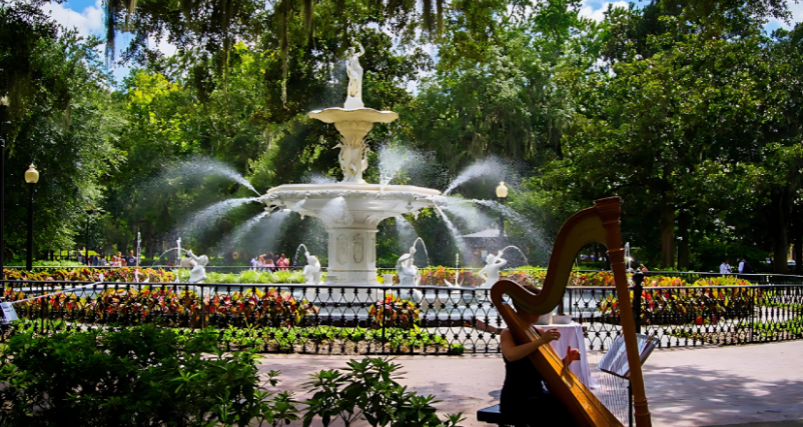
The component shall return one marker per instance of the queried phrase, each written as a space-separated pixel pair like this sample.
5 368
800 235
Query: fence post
384 320
638 278
203 309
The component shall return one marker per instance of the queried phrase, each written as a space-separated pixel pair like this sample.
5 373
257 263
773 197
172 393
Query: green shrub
140 376
145 376
368 390
456 349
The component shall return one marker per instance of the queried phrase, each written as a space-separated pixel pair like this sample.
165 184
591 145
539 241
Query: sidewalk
685 387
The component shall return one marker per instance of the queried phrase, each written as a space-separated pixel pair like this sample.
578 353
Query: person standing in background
744 266
132 260
268 262
283 263
725 267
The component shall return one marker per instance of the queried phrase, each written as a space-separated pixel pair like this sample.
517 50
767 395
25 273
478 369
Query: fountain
490 273
424 245
198 272
406 269
312 271
351 209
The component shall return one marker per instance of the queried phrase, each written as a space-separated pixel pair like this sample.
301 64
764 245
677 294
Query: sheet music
615 360
8 312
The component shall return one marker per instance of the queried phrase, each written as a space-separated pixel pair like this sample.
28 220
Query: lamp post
3 109
501 194
31 177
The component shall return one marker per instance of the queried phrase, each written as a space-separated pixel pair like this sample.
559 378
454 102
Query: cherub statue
490 273
407 271
198 272
354 70
312 271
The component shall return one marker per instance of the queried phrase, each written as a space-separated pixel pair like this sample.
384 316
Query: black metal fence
400 320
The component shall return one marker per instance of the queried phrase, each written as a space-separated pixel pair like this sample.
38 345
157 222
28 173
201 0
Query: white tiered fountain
351 209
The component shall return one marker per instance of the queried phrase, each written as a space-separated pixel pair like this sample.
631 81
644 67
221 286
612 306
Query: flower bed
162 305
122 274
701 303
395 312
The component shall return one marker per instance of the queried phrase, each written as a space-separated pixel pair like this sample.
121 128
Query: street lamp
31 177
501 194
4 104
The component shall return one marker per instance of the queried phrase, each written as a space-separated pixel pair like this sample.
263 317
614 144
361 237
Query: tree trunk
798 253
684 247
777 214
667 237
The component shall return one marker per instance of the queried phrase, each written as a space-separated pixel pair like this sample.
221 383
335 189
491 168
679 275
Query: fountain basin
351 213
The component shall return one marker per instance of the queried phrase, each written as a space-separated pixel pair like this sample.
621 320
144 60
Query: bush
368 390
140 376
162 305
122 274
395 312
145 376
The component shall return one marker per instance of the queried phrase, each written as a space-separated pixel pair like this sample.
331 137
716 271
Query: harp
597 224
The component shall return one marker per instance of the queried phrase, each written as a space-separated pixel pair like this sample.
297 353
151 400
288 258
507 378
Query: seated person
524 399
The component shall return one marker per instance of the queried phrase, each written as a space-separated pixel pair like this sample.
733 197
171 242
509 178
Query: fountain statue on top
312 271
354 121
198 272
407 271
352 209
354 71
490 273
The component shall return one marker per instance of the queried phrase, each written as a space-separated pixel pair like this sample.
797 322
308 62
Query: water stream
295 257
156 261
526 262
426 252
491 167
211 214
394 159
204 166
456 235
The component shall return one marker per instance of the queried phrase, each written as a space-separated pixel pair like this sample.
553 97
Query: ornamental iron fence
399 320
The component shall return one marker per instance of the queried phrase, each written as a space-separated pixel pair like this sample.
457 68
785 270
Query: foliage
166 305
368 390
689 109
701 303
258 277
123 274
395 312
60 117
91 378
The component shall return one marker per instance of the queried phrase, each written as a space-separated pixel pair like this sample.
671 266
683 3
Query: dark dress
526 402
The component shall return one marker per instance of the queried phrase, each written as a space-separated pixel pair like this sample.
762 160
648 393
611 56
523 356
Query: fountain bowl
351 213
366 204
337 114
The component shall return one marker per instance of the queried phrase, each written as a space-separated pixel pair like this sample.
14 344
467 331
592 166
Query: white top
572 335
725 268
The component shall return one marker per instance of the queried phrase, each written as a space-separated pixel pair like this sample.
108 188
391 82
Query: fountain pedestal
352 255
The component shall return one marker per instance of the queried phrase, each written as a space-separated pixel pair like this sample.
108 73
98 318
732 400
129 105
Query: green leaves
369 390
137 376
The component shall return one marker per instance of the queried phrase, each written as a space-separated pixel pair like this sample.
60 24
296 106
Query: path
685 387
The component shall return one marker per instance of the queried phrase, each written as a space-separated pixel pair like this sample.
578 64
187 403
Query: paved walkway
717 386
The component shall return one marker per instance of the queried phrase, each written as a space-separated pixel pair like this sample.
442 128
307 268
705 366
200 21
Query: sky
87 17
